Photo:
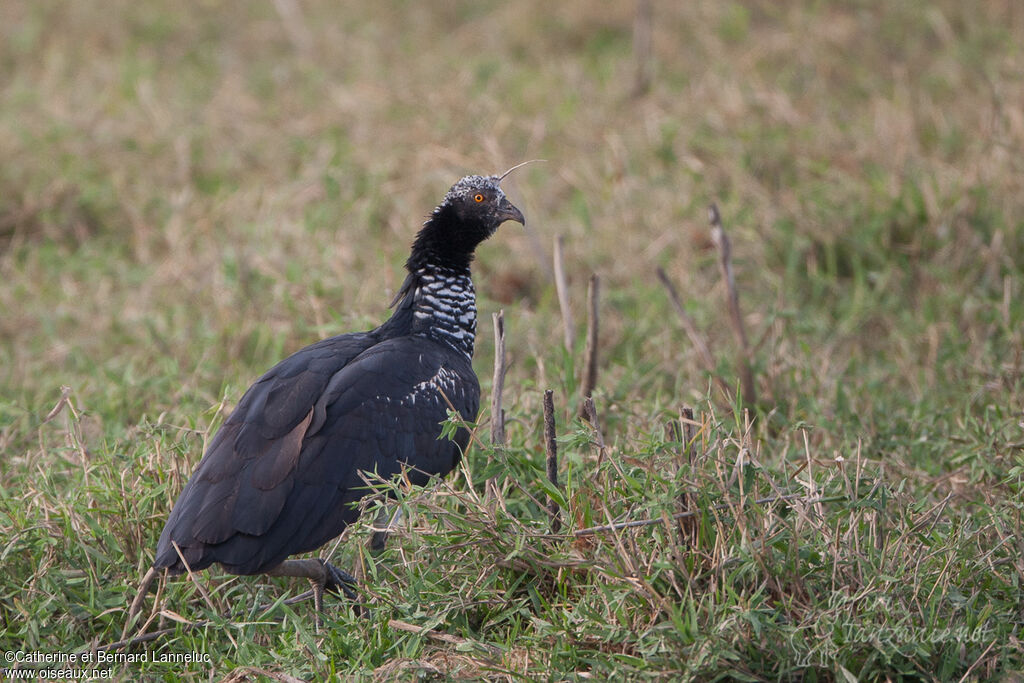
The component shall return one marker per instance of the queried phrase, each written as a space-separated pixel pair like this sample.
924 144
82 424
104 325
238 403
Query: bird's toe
340 581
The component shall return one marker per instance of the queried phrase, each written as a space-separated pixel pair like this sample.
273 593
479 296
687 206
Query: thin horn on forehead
502 176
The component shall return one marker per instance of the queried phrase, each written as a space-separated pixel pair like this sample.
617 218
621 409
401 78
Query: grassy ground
186 196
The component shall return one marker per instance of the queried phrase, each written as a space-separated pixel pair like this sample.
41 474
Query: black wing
282 474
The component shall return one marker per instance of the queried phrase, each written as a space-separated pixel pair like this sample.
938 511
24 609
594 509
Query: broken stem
498 386
552 460
590 352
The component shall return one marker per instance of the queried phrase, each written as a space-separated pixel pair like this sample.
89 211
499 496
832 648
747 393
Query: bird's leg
322 576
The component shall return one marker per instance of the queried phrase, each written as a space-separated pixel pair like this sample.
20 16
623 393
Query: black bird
282 475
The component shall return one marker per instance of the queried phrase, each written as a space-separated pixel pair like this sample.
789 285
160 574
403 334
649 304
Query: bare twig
590 354
562 288
642 43
552 450
724 246
690 327
498 386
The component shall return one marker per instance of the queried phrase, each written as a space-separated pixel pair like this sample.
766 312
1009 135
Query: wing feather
282 475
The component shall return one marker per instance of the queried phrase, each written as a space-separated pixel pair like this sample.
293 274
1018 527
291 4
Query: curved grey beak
508 212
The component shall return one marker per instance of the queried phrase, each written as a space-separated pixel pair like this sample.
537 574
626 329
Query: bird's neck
440 303
444 241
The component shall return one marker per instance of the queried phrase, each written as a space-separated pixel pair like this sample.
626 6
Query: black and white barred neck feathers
444 306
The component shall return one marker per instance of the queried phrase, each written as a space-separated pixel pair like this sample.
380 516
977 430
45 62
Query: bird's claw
340 581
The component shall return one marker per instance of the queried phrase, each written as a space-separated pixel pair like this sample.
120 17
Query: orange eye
478 198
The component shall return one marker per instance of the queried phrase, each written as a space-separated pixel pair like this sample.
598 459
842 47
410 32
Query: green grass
187 197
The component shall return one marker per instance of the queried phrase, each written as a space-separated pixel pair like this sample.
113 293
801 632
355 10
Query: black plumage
282 475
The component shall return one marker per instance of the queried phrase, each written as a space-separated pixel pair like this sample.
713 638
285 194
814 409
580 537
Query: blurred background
182 183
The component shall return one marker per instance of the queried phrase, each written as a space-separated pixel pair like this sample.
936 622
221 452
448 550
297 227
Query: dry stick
497 412
552 451
642 32
688 527
690 327
590 353
562 288
724 246
675 434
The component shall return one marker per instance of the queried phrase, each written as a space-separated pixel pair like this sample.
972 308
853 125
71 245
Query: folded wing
282 476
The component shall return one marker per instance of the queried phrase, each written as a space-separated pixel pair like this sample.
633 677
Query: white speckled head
472 184
479 202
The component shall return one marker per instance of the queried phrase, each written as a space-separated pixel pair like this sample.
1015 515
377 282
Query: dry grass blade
439 636
64 400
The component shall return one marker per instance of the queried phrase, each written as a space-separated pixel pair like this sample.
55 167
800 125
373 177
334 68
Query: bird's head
480 204
471 212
